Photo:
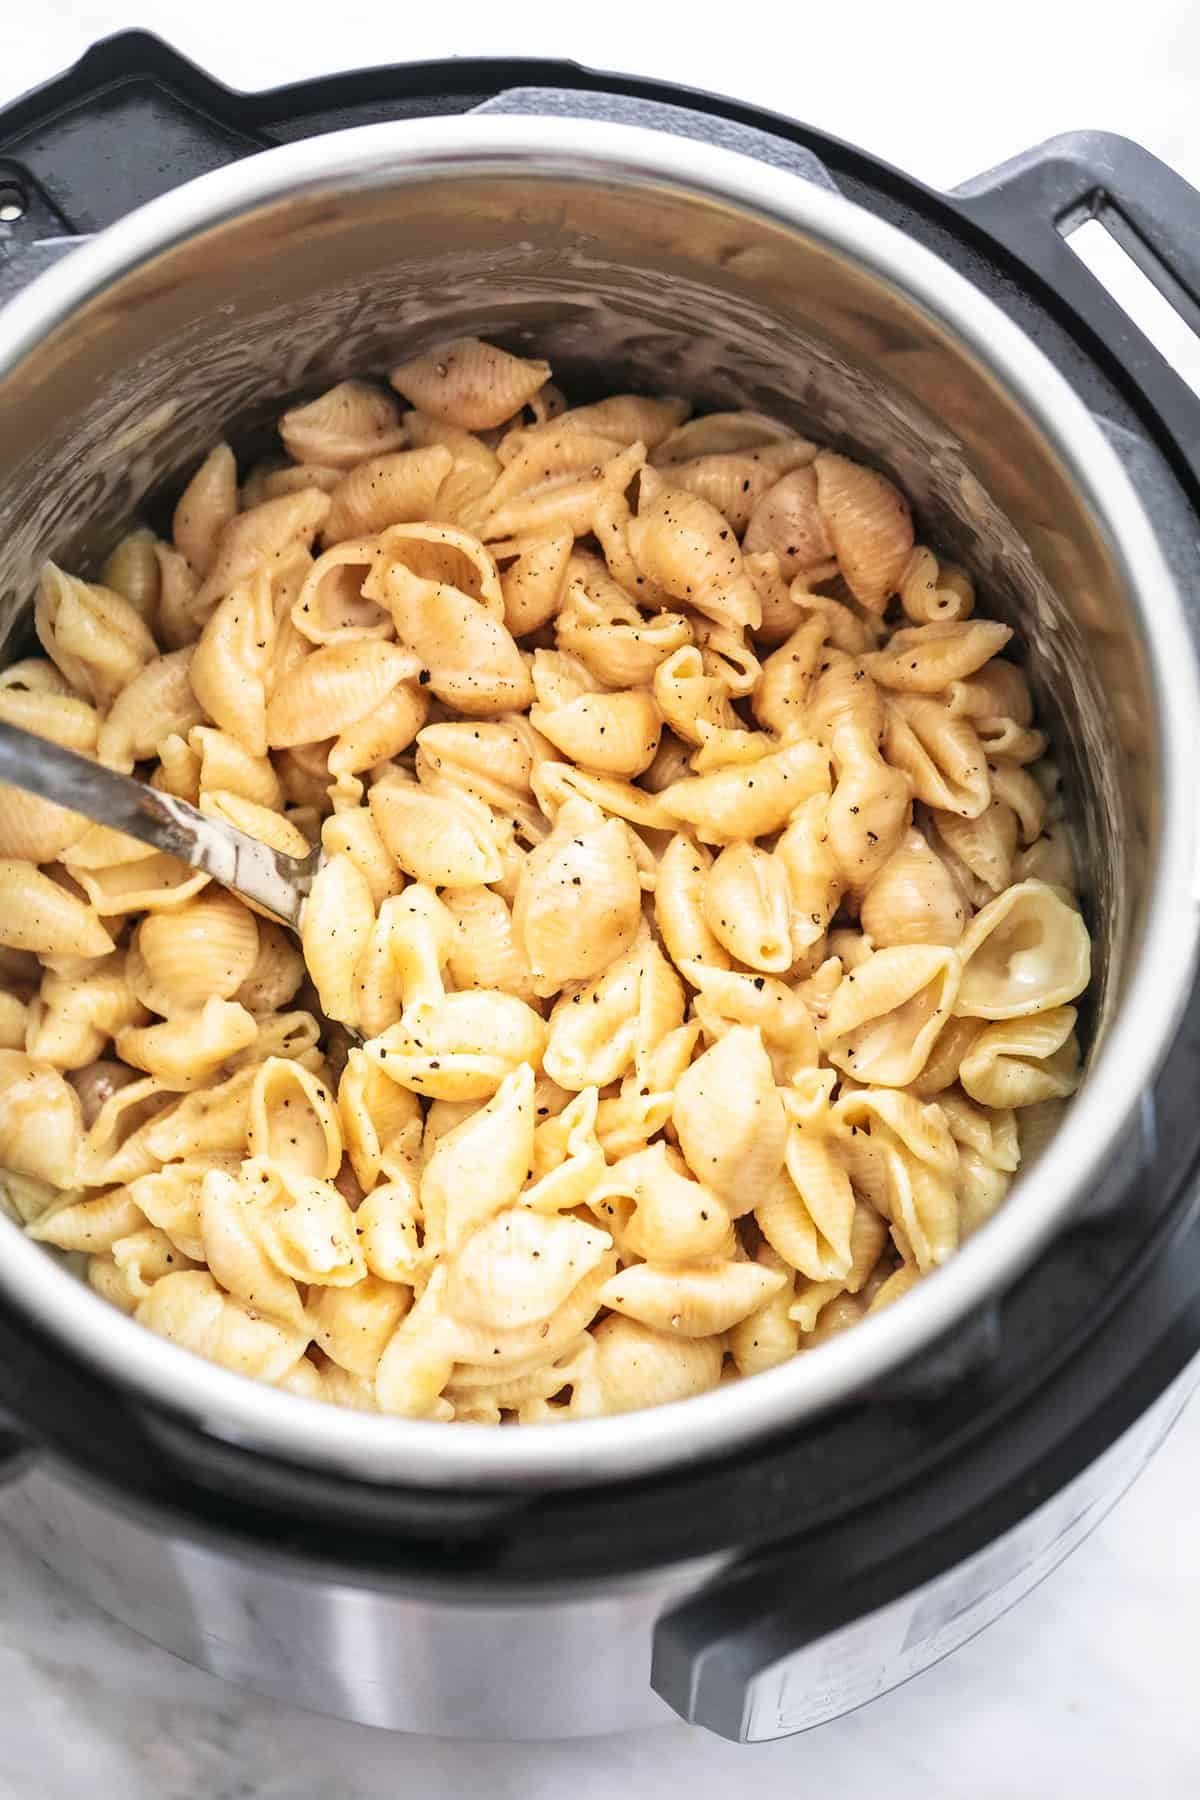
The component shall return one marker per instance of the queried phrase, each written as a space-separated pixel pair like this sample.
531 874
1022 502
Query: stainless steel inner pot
633 258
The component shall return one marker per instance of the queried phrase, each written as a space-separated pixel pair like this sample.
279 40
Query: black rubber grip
1033 203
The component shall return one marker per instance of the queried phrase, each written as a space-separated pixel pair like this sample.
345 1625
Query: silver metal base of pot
471 1664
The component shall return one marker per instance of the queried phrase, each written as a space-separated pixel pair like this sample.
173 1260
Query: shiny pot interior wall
619 285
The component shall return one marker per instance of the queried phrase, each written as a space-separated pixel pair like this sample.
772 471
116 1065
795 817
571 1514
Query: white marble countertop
1087 1687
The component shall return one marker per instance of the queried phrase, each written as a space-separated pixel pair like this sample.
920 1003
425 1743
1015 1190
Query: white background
1089 1688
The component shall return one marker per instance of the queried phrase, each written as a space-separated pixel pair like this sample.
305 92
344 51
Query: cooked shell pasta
469 383
342 427
692 872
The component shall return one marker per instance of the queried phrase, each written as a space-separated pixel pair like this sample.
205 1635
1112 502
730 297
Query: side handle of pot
1031 207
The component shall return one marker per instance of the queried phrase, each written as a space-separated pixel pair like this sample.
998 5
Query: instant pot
765 1557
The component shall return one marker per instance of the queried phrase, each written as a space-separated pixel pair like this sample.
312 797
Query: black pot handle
1031 205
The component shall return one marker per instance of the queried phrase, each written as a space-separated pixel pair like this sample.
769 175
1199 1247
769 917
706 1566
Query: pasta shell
592 502
1027 952
926 659
381 734
998 690
94 636
208 503
1020 1062
749 802
353 1325
227 766
331 606
637 1367
268 481
1018 789
41 1127
187 1051
387 1227
131 570
443 841
292 1121
838 1313
343 426
685 547
333 689
144 884
627 418
719 433
39 914
470 656
907 1148
461 1047
913 899
77 1012
942 1065
550 457
378 1120
483 948
189 1308
235 1254
985 845
34 830
208 947
478 1169
734 481
230 665
780 612
520 1267
787 521
389 490
28 699
747 907
534 579
616 734
679 904
579 899
600 625
806 853
690 693
730 1121
254 540
1050 859
305 1225
767 1336
941 755
469 383
473 471
931 590
596 1032
158 702
869 525
179 617
726 998
557 785
493 759
412 941
277 972
899 1283
884 1017
699 1300
93 1225
335 925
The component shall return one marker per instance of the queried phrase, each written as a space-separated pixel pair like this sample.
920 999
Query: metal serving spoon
275 882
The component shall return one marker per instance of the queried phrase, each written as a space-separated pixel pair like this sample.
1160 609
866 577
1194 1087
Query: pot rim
591 1452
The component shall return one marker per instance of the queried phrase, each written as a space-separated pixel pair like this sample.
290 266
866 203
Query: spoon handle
273 881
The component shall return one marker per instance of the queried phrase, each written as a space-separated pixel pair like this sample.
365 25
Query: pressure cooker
176 262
